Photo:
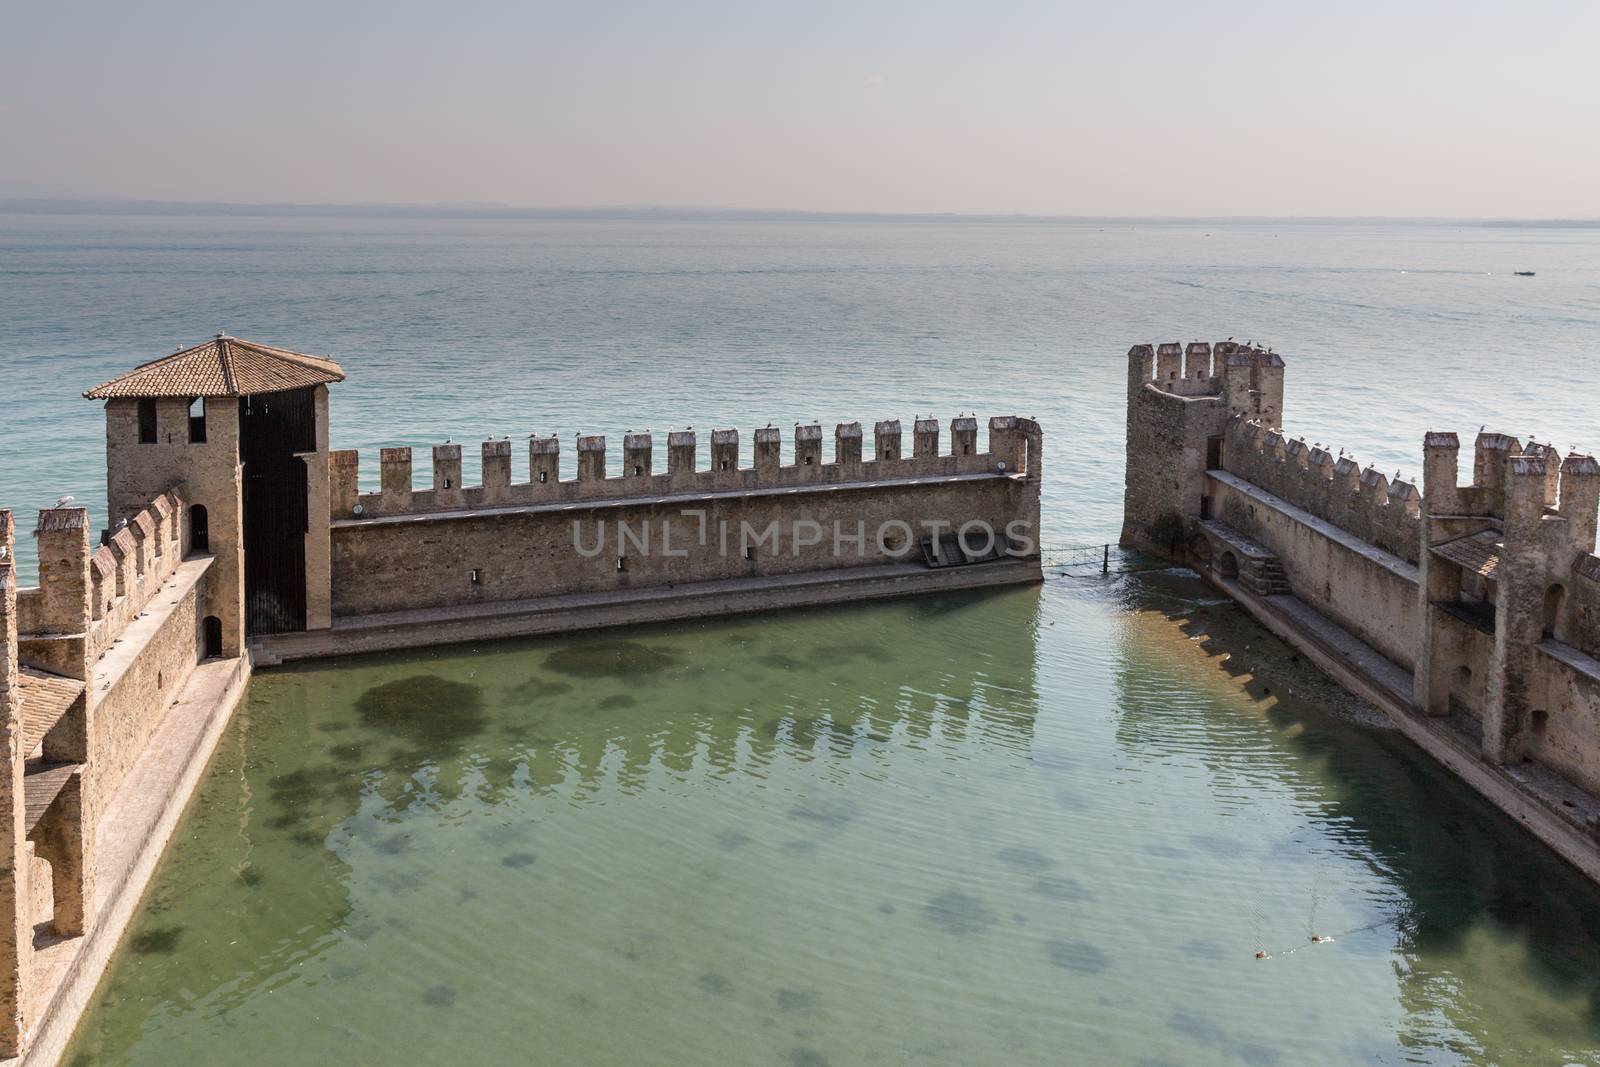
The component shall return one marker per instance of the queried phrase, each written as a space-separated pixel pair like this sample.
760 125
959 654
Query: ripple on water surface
978 829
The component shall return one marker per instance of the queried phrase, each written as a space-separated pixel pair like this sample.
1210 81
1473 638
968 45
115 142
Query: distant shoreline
218 209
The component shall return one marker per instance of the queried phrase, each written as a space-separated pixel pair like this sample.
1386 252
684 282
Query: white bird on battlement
64 501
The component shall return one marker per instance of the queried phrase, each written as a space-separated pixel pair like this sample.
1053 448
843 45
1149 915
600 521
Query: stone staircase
1264 577
1259 570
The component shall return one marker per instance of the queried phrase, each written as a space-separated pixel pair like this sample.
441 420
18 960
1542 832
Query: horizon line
665 212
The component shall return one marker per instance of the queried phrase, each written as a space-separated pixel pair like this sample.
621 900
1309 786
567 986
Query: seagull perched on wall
63 502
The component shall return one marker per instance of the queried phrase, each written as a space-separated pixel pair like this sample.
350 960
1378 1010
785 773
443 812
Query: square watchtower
243 428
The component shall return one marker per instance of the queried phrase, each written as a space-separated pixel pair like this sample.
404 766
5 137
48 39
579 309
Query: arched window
199 529
213 636
1228 565
1554 597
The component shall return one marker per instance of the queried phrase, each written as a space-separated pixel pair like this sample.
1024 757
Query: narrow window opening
749 554
1541 719
808 461
161 680
147 422
213 636
1553 598
622 563
447 483
197 421
199 529
541 477
724 465
966 450
474 577
637 470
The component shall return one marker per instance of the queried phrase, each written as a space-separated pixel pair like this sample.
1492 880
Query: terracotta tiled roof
45 698
1479 552
222 366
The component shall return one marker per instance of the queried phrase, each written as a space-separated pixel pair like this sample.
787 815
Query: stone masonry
1483 597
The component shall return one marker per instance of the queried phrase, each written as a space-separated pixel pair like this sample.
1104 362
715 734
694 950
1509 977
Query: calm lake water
1028 827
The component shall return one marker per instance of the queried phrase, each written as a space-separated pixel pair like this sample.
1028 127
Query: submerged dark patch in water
713 982
426 709
1079 957
621 700
161 939
518 860
393 846
609 659
887 907
728 840
956 912
828 811
778 661
349 752
1202 950
1025 859
1062 889
1207 1031
440 996
795 1000
535 688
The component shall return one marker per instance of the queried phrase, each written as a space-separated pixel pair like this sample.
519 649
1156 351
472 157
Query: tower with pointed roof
242 428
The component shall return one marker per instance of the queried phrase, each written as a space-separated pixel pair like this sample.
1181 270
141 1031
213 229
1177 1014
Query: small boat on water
1523 273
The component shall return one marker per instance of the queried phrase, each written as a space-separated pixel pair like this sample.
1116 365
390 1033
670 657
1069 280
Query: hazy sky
1113 107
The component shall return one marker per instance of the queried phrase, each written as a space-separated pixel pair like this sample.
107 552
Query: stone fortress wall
1470 612
452 545
237 537
95 657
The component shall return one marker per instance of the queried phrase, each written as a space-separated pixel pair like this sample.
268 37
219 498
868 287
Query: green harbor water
1036 826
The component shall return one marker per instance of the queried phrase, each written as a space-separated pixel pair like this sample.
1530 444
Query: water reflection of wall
327 762
1202 677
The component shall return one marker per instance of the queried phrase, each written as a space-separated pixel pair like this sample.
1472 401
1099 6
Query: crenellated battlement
1014 450
1361 501
1531 485
1246 378
86 596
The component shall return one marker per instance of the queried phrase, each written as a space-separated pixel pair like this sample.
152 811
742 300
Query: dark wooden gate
273 427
